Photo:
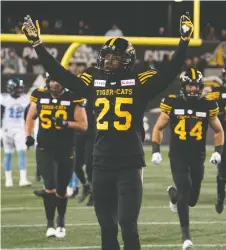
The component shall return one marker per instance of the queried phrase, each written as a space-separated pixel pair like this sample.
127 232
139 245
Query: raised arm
155 82
52 66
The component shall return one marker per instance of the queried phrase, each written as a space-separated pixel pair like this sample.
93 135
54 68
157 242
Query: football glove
30 141
60 122
186 27
156 158
31 31
215 158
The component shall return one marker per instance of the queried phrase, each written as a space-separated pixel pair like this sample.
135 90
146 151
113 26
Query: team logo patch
200 114
100 83
45 100
179 111
223 95
129 82
190 112
113 83
65 103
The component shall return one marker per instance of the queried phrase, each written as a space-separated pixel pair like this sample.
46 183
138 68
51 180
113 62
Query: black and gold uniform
118 98
218 93
188 125
54 143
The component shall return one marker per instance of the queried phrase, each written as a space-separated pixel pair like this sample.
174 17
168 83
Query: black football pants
117 198
56 167
187 176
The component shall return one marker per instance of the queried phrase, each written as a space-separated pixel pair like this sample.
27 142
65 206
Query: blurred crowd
208 32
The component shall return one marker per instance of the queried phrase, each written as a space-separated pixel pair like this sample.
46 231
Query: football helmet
191 77
15 86
55 89
117 54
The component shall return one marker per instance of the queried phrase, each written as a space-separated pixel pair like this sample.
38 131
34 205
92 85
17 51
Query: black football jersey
188 123
48 107
218 94
118 100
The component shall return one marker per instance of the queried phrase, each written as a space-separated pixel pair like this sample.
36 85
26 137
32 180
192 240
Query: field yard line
140 223
3 209
98 247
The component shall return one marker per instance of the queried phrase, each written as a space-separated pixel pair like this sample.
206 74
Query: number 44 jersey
188 123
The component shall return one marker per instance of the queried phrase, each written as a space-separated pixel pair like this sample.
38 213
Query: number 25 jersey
188 123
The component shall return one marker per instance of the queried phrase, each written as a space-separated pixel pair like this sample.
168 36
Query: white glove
215 158
156 158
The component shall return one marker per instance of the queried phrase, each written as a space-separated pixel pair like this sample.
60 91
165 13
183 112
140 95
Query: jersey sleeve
34 96
214 93
166 104
213 109
81 102
59 73
154 82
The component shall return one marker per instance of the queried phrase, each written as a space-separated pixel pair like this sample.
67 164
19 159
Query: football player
13 106
119 95
218 93
59 112
188 116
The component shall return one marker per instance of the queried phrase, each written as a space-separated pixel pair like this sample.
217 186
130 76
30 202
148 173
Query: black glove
30 141
31 31
60 122
186 27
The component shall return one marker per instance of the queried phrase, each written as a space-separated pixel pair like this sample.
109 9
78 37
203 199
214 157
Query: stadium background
22 217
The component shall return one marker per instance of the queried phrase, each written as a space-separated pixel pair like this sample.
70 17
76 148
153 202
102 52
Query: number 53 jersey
188 123
49 135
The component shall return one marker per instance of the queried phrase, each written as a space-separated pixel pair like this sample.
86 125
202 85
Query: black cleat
219 206
90 201
39 193
173 198
85 192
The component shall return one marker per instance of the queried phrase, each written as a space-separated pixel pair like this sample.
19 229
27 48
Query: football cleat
187 245
60 232
39 193
173 198
25 183
51 232
9 183
90 201
85 192
219 206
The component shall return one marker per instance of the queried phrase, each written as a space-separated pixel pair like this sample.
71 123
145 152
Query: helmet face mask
191 84
15 87
116 55
54 88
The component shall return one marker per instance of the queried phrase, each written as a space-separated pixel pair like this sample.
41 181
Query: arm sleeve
213 109
166 104
59 73
153 82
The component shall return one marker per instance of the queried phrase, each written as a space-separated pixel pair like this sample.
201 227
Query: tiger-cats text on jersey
48 107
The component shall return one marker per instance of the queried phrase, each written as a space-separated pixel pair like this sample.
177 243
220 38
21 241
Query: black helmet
191 77
15 87
121 47
223 77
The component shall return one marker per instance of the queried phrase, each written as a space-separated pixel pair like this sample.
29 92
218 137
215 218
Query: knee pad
8 161
22 159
